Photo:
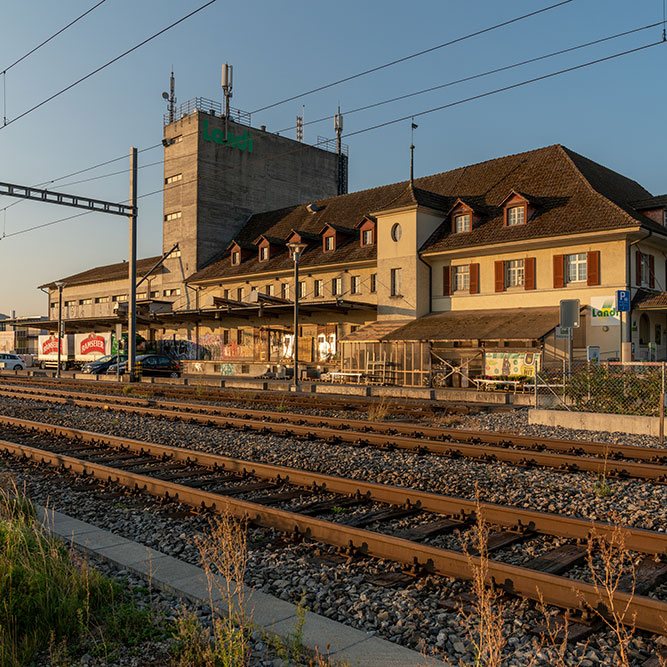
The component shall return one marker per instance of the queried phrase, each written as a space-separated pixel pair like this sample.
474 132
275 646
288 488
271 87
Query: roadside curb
189 581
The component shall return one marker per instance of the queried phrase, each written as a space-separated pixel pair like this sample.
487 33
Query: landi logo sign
92 344
603 311
217 135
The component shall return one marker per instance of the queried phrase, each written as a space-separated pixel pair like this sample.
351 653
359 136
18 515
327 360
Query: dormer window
329 243
516 215
236 257
462 223
264 253
367 237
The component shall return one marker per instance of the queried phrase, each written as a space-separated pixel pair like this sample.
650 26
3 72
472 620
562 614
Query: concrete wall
594 421
222 185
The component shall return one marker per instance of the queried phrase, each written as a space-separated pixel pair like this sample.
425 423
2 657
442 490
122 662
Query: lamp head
296 250
60 284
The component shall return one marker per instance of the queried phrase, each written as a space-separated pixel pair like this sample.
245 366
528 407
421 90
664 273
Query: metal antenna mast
171 96
342 166
413 127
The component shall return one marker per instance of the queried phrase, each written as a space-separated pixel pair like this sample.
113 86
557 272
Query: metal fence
635 388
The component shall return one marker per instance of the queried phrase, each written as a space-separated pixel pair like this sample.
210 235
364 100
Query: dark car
152 364
101 365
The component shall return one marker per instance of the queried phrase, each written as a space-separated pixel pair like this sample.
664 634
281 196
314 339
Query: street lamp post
297 250
60 286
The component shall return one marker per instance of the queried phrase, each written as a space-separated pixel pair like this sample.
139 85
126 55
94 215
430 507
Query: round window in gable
396 232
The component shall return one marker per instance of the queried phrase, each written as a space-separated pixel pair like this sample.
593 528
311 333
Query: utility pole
60 286
132 291
297 250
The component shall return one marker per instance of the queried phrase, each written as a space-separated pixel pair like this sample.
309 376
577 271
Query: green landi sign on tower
217 135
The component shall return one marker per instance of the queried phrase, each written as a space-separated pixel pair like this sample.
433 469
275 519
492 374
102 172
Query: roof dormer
334 236
239 252
463 216
268 247
367 230
298 236
518 209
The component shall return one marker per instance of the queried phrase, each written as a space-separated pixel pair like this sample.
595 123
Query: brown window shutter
638 268
500 276
593 268
446 281
651 271
529 273
474 279
559 271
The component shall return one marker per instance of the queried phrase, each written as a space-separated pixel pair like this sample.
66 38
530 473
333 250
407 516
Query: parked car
101 364
152 364
11 362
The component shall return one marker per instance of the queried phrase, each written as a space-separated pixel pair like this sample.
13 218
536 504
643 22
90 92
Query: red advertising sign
50 345
93 344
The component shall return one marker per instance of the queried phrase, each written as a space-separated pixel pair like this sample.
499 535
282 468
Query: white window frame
173 179
336 286
645 269
514 217
462 223
395 288
462 278
263 253
329 243
302 289
355 285
236 257
367 237
176 215
318 287
576 268
284 290
269 289
373 283
515 275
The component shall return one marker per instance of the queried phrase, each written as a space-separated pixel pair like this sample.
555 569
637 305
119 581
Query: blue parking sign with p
623 300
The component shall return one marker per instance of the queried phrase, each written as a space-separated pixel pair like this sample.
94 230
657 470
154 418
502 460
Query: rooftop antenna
413 127
170 96
342 177
227 71
299 123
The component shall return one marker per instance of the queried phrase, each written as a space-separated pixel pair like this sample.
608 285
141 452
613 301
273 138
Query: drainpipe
628 275
430 282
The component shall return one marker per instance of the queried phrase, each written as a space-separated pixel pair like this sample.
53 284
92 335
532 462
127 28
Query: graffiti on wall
226 369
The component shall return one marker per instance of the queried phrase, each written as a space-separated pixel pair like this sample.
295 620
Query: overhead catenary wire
107 64
377 126
481 74
55 34
414 55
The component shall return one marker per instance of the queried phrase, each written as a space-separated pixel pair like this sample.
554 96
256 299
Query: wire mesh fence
635 388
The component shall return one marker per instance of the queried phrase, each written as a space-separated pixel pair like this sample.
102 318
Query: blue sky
612 112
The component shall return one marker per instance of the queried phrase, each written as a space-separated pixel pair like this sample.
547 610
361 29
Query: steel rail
609 450
635 539
485 453
639 611
420 407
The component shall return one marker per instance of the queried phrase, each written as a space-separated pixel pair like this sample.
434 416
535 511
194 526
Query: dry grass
377 411
224 558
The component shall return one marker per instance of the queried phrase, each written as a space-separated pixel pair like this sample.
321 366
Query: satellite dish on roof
165 96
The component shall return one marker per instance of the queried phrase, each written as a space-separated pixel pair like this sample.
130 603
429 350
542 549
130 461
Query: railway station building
462 268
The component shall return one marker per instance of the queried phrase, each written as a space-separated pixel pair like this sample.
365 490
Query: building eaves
105 273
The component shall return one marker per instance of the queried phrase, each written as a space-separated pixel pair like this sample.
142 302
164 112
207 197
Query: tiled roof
649 300
108 272
492 324
570 192
375 330
652 202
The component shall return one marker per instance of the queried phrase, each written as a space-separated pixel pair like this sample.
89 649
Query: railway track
609 460
413 408
295 502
